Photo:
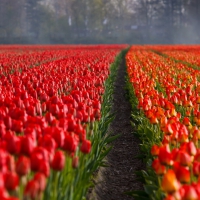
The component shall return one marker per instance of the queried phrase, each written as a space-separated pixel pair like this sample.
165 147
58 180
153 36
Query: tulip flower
32 190
183 174
165 156
169 182
155 150
58 161
190 193
23 166
86 146
11 180
41 180
70 143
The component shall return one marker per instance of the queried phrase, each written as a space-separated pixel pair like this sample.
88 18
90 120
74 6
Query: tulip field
55 112
165 95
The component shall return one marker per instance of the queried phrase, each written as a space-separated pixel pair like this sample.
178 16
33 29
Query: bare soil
113 181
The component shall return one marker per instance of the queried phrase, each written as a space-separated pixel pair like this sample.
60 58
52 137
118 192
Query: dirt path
119 177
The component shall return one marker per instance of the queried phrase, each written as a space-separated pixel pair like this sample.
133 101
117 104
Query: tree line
99 21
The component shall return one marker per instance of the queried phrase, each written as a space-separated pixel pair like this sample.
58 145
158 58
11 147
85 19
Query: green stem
55 181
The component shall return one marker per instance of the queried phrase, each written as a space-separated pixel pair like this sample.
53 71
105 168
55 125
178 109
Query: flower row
168 95
49 110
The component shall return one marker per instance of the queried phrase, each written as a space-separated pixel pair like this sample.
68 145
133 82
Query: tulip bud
58 161
70 143
165 157
11 180
32 190
36 159
1 180
75 162
190 193
196 168
169 182
2 129
44 168
183 174
191 149
23 165
41 180
10 161
158 167
48 143
13 144
184 158
27 145
155 150
58 135
86 146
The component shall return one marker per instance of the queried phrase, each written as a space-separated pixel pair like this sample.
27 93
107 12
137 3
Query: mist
99 21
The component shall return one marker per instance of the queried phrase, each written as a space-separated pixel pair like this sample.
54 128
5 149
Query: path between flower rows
119 177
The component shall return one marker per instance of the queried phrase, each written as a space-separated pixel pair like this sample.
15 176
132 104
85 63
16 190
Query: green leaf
138 195
106 152
149 133
150 189
110 139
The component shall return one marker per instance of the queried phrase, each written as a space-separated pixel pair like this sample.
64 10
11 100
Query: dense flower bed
166 109
51 117
184 53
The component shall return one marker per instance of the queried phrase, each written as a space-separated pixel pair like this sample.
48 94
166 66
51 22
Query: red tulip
54 109
41 180
44 168
23 166
49 117
191 149
11 180
8 122
96 104
155 150
71 125
1 181
196 168
63 123
184 158
30 131
59 136
48 143
165 156
3 193
27 145
158 167
13 144
86 146
32 190
3 159
10 162
31 110
58 161
2 129
190 193
17 126
70 143
183 174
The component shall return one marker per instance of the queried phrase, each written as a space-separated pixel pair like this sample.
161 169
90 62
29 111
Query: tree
33 17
